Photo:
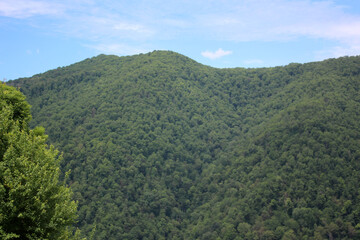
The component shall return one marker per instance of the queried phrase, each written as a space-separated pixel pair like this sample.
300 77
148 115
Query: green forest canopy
33 204
162 147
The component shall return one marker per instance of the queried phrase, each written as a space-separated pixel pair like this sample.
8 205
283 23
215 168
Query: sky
40 35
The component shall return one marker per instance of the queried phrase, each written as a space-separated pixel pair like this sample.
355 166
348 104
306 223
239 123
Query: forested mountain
162 147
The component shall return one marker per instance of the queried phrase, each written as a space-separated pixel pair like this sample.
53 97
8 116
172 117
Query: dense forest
162 147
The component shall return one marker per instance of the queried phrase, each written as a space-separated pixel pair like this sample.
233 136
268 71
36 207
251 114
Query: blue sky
39 35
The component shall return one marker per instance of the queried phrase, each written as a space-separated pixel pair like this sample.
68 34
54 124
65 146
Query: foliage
161 147
33 204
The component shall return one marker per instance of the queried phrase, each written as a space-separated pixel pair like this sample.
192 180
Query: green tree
33 203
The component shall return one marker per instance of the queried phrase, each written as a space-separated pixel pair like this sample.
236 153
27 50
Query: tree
33 203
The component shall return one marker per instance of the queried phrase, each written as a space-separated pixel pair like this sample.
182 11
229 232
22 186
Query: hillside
162 147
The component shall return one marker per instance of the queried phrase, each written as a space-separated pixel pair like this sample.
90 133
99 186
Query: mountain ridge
161 146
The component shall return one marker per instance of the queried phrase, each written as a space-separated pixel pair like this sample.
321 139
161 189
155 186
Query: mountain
162 147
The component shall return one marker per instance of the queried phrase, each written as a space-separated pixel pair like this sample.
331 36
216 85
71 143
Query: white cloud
30 52
28 8
279 20
337 51
129 27
282 20
98 22
217 54
105 28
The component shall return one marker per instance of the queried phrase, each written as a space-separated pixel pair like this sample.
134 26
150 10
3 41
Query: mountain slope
163 147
